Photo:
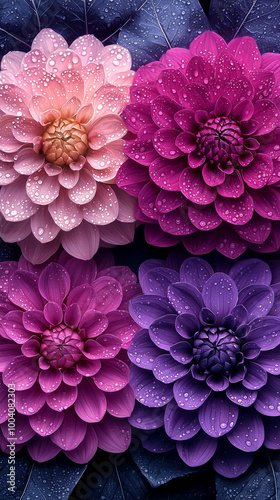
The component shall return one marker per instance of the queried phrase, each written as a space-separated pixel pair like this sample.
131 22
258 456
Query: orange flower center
64 141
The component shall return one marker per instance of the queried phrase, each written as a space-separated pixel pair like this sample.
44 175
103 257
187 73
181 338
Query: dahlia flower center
215 350
220 139
61 347
64 141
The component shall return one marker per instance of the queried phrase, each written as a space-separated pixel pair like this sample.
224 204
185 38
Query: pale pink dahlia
64 333
61 146
205 163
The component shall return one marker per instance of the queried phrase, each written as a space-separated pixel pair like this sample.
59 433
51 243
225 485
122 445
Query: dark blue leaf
159 25
9 251
259 19
21 20
111 477
258 483
159 468
53 479
193 487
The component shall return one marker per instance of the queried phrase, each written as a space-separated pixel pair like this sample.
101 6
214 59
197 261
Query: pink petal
38 81
42 449
86 450
41 188
108 99
54 283
88 47
26 130
60 61
68 178
117 233
72 82
14 100
103 209
63 397
107 161
114 434
7 173
120 404
24 292
15 204
113 375
64 212
109 294
85 189
208 45
43 227
22 372
36 252
50 380
195 189
90 409
14 231
12 61
94 77
114 60
237 211
110 126
81 242
30 401
47 41
126 205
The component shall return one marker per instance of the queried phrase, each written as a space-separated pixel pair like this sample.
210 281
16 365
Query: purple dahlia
206 363
65 329
204 163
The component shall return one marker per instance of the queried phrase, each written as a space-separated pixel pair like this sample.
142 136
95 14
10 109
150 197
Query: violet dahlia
61 146
65 329
206 363
205 162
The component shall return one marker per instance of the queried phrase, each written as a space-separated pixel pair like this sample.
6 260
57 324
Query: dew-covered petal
185 297
163 333
12 324
156 281
112 376
194 188
63 397
71 432
22 372
248 432
190 393
258 300
270 361
268 400
179 424
255 377
229 461
54 283
114 434
241 396
148 390
109 294
235 211
142 351
84 296
250 271
198 450
145 309
82 242
50 380
218 415
167 369
220 294
195 271
144 417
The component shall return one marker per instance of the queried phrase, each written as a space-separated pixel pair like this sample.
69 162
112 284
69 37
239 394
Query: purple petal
71 432
54 283
180 424
22 372
218 415
86 449
220 294
156 281
120 404
63 397
255 378
190 393
148 265
148 390
24 291
182 352
162 332
265 332
270 361
185 298
90 409
238 394
198 450
144 417
195 271
248 432
53 313
272 433
50 379
46 421
257 299
231 462
145 309
187 325
42 449
217 382
114 434
167 370
268 400
250 271
143 351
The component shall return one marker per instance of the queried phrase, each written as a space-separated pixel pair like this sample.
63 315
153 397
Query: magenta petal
197 244
113 375
170 82
147 199
90 409
163 110
24 292
220 294
229 461
131 177
235 210
218 415
267 202
142 149
87 367
148 390
213 176
71 432
54 283
86 449
166 201
94 323
71 376
109 294
167 369
190 393
84 296
258 172
136 115
179 424
194 188
50 380
53 313
121 325
142 351
12 324
63 397
111 344
34 321
177 222
266 114
46 421
114 434
8 351
198 450
204 218
22 372
42 449
232 187
30 401
156 236
23 431
72 315
31 348
229 243
257 230
120 404
248 432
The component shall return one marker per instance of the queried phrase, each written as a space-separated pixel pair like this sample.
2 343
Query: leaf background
147 28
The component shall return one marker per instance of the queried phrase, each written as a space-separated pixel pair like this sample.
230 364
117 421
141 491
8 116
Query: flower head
61 146
206 363
65 329
204 165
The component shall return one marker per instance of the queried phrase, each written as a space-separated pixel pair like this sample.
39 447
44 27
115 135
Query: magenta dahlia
65 329
205 162
61 146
